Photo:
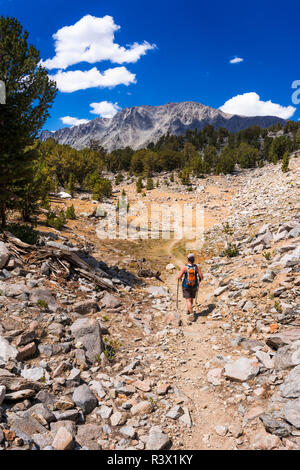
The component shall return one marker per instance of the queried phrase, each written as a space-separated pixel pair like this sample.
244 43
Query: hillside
109 363
138 126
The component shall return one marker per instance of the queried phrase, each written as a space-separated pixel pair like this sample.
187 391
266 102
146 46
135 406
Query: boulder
88 332
110 301
85 307
282 339
88 436
63 440
7 351
85 399
287 356
241 370
4 255
157 439
291 385
46 295
291 413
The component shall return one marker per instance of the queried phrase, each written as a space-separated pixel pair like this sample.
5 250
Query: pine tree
139 185
285 162
149 185
29 94
71 184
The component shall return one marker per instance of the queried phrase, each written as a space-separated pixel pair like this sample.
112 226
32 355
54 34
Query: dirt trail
198 346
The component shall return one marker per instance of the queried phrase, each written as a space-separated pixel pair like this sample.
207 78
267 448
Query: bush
25 233
267 255
285 162
42 304
139 185
119 178
56 221
149 185
70 213
231 251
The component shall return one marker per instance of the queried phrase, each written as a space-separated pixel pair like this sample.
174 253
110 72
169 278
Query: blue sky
165 51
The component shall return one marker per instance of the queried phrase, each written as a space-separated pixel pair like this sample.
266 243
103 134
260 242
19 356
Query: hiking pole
177 294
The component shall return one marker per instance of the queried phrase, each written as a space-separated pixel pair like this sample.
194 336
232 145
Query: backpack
191 276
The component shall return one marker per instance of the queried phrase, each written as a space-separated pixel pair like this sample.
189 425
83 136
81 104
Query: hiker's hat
191 256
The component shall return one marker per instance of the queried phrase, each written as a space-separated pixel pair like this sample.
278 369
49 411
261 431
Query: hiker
190 282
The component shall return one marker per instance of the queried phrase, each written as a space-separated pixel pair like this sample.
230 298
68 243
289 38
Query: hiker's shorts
189 292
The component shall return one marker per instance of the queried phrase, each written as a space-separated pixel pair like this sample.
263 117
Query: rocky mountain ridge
136 127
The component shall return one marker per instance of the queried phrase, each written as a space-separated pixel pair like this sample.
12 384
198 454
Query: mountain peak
137 126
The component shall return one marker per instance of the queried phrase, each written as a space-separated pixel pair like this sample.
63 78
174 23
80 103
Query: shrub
267 255
149 185
119 178
24 232
110 348
42 304
285 162
139 185
231 251
56 221
70 213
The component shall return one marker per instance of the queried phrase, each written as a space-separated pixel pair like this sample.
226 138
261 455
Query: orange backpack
191 276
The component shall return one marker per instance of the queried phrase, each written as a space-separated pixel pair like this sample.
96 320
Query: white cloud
91 40
236 60
250 104
71 121
81 80
105 109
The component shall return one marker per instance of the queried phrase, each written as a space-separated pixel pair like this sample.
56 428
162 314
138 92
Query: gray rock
4 255
275 426
46 295
265 359
67 415
175 412
26 427
291 413
2 394
157 439
97 388
279 340
268 276
220 290
287 356
85 307
291 259
118 418
35 373
105 411
88 436
291 385
88 332
295 232
241 370
157 291
43 410
85 399
18 289
110 301
128 431
7 351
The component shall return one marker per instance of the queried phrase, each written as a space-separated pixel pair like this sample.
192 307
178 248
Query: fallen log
74 261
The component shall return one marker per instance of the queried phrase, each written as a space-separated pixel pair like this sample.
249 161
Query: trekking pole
177 294
196 296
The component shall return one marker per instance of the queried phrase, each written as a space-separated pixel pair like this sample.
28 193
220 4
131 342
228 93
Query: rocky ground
82 366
